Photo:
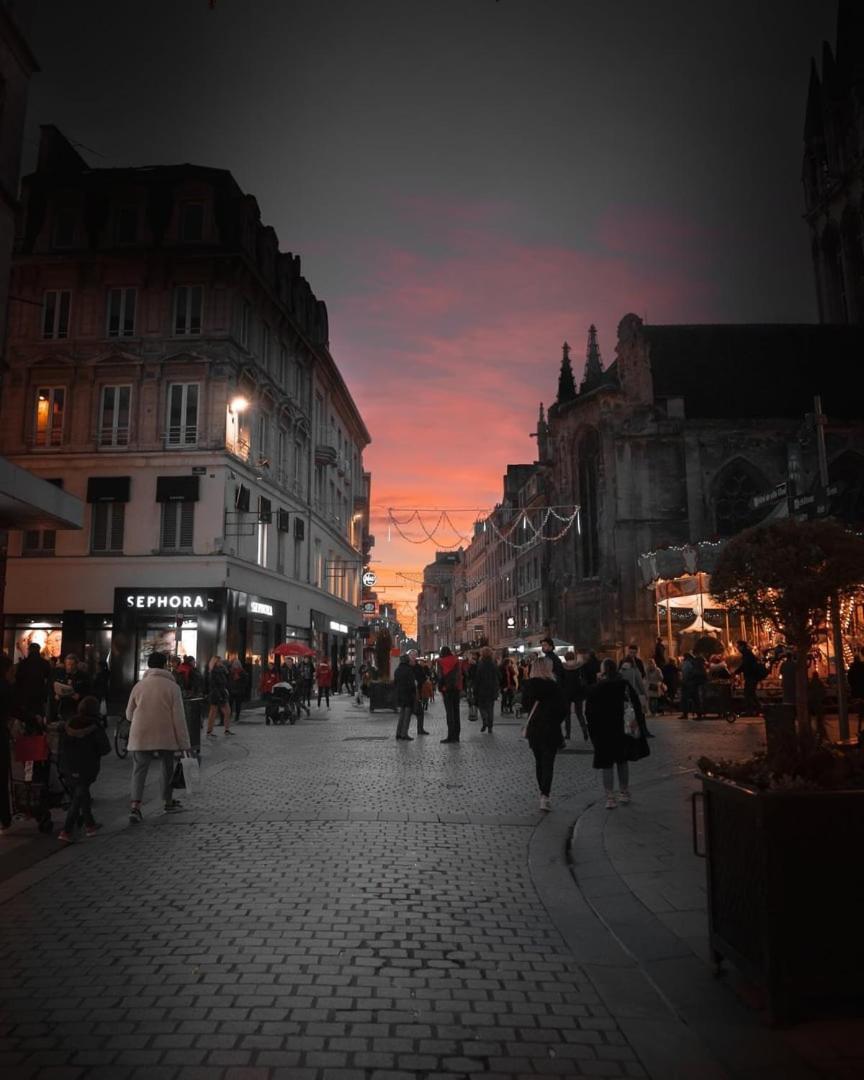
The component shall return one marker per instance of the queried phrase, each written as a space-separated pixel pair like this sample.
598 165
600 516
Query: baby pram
37 784
282 705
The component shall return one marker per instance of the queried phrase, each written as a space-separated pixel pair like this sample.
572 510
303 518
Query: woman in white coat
157 730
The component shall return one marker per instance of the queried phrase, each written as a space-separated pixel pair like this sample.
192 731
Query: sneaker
610 802
172 808
545 802
135 815
623 796
65 837
228 731
91 830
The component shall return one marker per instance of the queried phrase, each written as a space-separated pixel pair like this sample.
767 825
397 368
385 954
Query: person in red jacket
324 679
450 684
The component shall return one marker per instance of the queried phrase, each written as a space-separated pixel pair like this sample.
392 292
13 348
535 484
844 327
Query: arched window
588 472
847 471
734 488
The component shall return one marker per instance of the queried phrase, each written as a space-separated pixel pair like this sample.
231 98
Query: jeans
404 720
420 712
79 806
623 776
324 691
487 713
141 760
451 709
691 698
544 762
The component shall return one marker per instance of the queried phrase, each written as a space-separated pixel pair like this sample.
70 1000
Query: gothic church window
734 488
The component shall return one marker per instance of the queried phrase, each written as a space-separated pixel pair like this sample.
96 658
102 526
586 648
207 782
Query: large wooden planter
786 890
382 695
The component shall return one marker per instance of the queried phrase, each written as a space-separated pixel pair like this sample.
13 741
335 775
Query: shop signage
369 607
166 601
339 627
369 578
258 608
511 622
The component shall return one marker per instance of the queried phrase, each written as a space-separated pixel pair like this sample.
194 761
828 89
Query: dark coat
486 681
544 727
82 747
406 684
604 711
33 683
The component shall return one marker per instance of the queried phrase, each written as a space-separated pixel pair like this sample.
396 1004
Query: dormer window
126 225
65 218
191 222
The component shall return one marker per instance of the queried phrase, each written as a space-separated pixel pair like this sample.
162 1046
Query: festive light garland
522 521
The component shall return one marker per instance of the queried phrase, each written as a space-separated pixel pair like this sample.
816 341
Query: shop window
188 305
182 414
106 533
48 423
55 313
38 542
114 416
192 222
121 312
178 522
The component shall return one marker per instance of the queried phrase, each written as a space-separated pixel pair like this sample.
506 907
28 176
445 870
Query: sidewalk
637 874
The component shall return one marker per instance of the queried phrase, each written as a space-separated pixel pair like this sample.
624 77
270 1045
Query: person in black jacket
486 686
543 702
605 714
406 696
33 682
83 745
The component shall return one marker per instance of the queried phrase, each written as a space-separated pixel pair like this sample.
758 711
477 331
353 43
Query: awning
176 489
108 489
28 502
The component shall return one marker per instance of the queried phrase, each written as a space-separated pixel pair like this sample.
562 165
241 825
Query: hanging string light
528 532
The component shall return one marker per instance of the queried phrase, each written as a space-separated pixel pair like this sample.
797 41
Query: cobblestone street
341 906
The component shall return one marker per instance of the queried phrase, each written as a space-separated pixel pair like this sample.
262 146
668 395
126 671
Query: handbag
637 748
191 774
32 748
178 780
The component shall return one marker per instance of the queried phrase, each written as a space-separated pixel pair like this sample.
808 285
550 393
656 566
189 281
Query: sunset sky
469 183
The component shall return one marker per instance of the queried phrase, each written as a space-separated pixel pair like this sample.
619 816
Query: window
191 222
265 346
65 218
178 521
298 556
126 225
318 564
55 313
182 414
282 456
733 491
121 312
38 542
106 528
588 469
188 302
263 439
245 323
265 516
48 427
283 368
114 416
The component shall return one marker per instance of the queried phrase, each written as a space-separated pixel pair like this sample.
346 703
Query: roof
755 371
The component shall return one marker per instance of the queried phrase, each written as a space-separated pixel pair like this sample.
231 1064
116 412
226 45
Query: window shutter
169 526
118 515
265 512
283 521
241 498
187 522
100 526
299 528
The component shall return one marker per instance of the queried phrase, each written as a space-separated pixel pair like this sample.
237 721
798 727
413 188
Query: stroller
281 705
37 783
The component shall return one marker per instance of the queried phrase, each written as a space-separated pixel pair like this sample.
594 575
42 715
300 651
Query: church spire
813 116
593 363
566 384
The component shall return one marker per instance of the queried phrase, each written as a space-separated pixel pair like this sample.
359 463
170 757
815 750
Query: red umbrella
293 648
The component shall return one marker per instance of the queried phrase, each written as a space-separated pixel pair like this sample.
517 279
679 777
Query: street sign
369 578
767 497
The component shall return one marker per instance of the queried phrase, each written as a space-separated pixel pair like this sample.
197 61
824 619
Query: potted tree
784 829
382 691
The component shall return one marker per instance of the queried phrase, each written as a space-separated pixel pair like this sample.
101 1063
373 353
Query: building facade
171 367
440 602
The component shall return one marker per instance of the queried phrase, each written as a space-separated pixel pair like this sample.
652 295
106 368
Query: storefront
330 638
59 633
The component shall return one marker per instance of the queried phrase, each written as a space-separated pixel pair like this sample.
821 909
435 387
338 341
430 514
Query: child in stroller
282 705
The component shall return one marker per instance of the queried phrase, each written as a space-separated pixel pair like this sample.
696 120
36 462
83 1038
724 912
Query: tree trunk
802 711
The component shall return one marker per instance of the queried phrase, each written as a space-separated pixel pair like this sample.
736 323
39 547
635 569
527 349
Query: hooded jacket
155 712
82 747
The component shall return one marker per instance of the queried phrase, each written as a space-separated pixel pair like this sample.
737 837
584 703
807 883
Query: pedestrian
83 744
752 672
654 686
217 695
486 686
421 680
672 679
605 709
693 675
547 647
450 685
543 700
659 653
509 684
406 696
157 729
70 686
33 682
574 693
7 708
629 671
634 657
324 680
469 669
238 688
816 691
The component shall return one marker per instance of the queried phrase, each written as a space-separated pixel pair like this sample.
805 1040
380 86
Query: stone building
671 443
833 170
440 602
171 367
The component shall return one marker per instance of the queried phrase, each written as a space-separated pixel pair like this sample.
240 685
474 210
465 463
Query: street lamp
239 404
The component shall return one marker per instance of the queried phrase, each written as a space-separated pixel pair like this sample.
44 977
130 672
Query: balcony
326 454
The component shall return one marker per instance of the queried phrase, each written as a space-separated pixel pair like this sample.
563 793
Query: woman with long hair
605 712
543 702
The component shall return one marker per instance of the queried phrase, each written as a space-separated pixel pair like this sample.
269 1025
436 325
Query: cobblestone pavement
336 905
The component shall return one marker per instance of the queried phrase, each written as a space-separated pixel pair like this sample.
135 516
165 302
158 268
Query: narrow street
341 906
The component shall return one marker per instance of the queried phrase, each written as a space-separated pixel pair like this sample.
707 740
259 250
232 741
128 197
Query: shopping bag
178 780
31 748
191 774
